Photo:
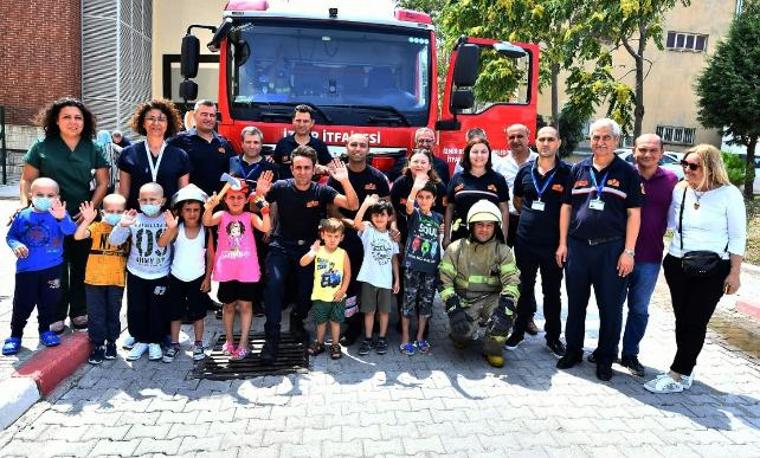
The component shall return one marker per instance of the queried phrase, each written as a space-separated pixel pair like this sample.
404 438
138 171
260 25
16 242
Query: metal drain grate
292 358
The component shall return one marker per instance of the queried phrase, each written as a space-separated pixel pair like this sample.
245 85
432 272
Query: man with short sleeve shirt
538 190
599 224
365 180
658 185
209 152
303 123
301 204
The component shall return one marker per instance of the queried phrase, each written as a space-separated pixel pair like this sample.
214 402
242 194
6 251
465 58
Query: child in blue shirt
36 238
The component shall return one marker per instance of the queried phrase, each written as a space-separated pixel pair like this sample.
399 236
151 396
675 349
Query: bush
735 166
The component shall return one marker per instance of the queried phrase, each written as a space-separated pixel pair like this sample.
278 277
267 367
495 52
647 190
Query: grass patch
752 254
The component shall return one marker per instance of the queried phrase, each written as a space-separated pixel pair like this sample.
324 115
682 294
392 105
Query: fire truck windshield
353 75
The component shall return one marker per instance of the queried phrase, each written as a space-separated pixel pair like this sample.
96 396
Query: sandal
240 354
50 339
335 351
316 348
11 346
229 348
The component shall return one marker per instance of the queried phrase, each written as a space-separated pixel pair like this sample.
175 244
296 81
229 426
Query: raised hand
212 202
338 170
21 251
264 183
315 246
419 182
88 212
371 199
128 218
171 221
58 210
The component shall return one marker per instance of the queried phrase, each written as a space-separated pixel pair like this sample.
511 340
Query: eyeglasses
156 120
425 140
690 165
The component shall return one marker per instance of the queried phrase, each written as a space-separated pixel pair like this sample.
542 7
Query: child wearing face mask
147 271
104 275
36 238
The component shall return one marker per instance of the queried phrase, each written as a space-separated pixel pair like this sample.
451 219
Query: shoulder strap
680 216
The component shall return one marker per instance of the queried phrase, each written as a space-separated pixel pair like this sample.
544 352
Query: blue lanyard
599 188
548 181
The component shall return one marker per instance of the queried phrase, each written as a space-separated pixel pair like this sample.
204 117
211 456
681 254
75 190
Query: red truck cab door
472 66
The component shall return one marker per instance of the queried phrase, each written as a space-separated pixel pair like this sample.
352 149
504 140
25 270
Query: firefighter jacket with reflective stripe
472 270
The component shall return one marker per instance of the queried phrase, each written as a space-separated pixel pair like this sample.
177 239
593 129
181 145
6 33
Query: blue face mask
150 209
42 203
112 219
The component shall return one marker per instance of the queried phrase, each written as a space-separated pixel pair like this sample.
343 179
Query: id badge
538 205
596 204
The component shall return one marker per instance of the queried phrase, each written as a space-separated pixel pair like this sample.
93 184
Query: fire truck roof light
403 14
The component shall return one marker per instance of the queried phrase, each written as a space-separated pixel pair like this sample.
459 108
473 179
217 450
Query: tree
632 23
729 87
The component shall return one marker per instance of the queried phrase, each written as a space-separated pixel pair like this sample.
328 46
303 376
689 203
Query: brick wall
40 56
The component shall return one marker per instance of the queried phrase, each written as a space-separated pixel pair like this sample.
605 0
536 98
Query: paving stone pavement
447 403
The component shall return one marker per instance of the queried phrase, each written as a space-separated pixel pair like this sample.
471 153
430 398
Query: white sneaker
664 384
687 381
138 349
154 352
129 342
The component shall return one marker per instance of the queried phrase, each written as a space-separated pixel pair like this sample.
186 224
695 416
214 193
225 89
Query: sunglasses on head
690 165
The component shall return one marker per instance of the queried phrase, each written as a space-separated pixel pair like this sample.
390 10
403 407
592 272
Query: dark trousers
147 317
595 266
72 302
353 246
514 220
40 288
694 301
103 308
530 259
281 262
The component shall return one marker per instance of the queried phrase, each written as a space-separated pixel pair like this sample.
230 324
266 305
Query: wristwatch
630 253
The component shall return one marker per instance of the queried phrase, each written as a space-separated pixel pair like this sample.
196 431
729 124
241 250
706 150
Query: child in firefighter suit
480 283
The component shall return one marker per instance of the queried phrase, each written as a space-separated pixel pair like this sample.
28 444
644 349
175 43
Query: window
682 41
679 135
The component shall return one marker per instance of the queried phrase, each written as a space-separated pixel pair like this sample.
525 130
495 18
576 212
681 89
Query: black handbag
696 263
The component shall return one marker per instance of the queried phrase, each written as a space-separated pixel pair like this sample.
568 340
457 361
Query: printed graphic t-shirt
422 252
328 274
379 249
106 263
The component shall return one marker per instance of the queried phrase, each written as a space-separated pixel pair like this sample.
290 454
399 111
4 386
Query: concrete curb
39 376
749 308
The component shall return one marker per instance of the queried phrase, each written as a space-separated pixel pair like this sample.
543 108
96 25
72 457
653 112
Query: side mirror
462 99
466 65
191 52
188 90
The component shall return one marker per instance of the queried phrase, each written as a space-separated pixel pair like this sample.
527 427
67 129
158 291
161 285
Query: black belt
595 242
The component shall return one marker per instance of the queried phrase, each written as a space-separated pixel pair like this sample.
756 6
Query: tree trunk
555 96
749 175
638 111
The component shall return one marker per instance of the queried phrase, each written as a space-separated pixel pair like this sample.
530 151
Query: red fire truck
366 67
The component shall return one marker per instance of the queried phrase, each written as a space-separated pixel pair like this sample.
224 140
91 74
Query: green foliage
729 88
734 166
570 130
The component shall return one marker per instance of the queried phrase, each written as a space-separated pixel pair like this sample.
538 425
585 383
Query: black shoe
381 347
604 372
97 355
269 353
514 341
557 347
110 350
633 365
569 360
531 328
365 347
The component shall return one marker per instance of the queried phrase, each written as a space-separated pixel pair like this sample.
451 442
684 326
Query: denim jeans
641 285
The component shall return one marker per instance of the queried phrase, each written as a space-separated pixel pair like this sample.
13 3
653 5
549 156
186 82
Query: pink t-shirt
236 257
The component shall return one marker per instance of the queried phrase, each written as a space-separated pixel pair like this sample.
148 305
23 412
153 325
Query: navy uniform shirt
368 181
621 191
299 212
210 159
465 189
287 144
134 161
251 172
535 226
